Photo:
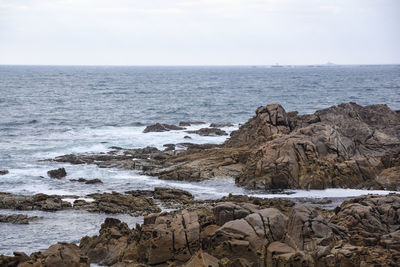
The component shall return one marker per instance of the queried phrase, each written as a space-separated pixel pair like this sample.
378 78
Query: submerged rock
57 174
159 127
90 181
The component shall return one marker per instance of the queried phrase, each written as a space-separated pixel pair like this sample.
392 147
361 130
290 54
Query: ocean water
47 111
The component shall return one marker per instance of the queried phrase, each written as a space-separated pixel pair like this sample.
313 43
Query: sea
48 111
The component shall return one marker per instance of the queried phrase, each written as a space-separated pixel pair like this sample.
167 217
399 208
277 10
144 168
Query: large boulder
247 238
57 174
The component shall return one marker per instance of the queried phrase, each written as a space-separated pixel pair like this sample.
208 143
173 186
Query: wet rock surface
37 202
57 174
90 181
3 172
161 127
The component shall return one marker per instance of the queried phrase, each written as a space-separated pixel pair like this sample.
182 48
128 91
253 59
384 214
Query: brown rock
202 259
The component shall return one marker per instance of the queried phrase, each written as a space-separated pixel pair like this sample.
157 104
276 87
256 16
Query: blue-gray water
48 111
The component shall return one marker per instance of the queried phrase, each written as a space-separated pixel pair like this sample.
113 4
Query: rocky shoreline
241 231
344 146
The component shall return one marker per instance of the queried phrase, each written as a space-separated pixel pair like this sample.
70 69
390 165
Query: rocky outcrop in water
160 127
16 218
118 203
346 146
37 202
87 181
3 172
57 174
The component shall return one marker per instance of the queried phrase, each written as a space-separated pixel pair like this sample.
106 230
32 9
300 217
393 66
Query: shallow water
50 111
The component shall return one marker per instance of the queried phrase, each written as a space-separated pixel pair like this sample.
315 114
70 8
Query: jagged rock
3 172
308 231
208 132
158 127
220 124
107 248
57 174
246 238
37 202
370 218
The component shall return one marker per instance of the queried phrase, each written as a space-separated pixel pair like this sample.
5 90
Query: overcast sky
199 32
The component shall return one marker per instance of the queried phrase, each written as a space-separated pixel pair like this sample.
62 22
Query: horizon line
205 65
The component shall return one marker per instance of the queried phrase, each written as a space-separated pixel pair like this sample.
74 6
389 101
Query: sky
199 32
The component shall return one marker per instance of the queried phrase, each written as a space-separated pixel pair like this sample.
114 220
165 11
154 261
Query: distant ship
276 66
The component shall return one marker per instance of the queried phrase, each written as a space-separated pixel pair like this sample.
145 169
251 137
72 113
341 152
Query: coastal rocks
3 172
370 218
118 203
139 159
107 248
57 174
346 146
37 202
12 261
208 132
90 181
309 231
16 218
159 127
58 255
